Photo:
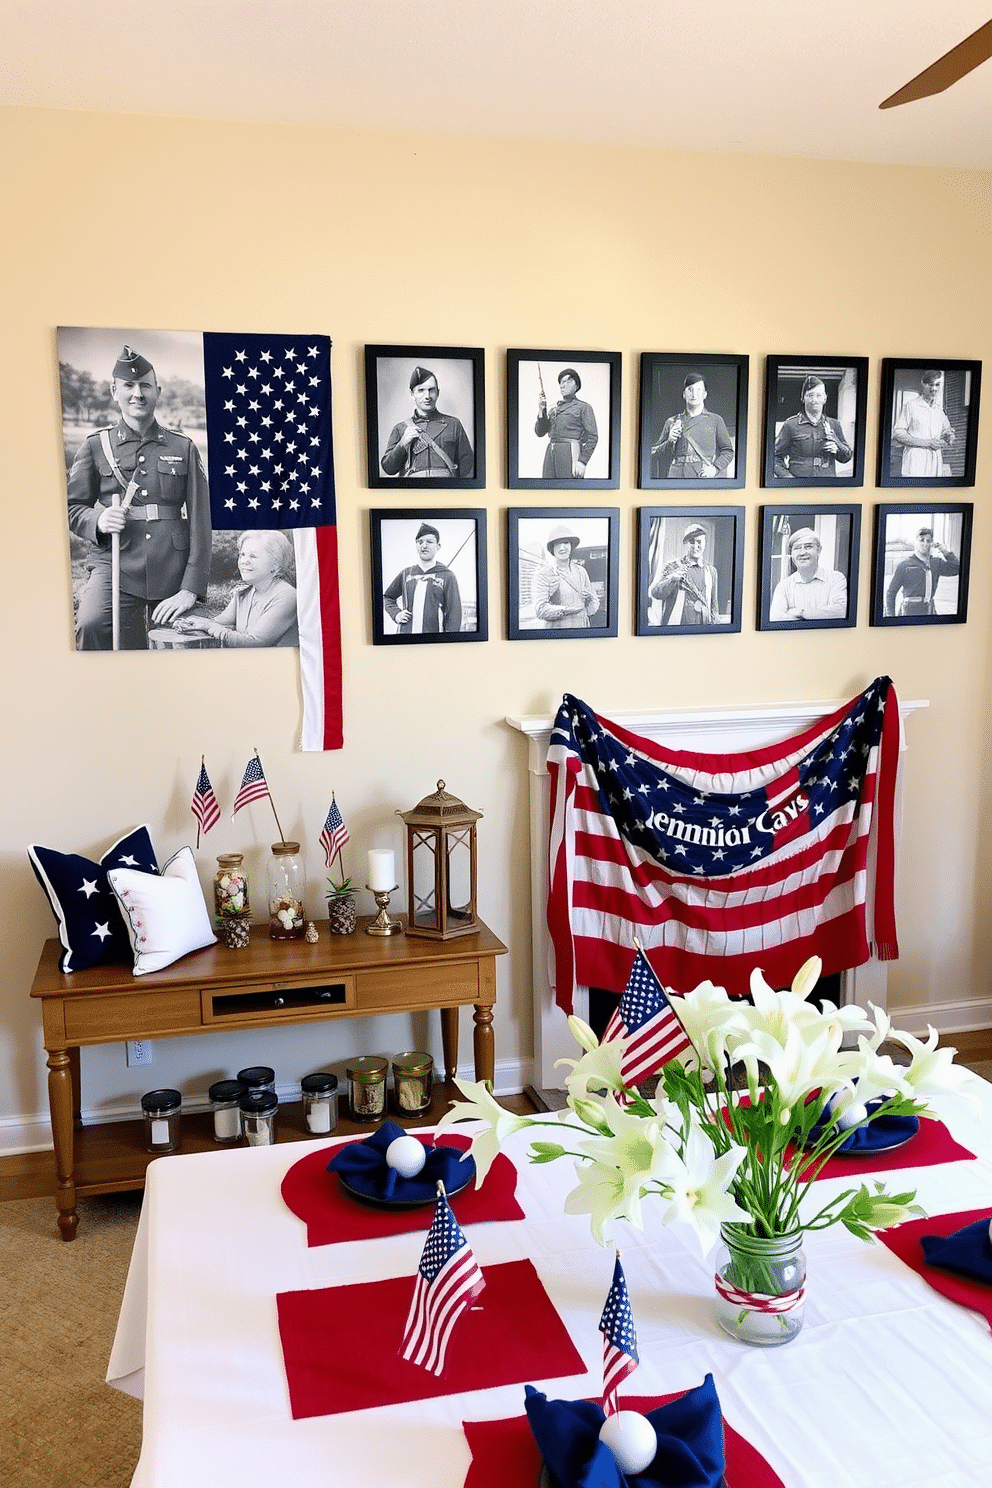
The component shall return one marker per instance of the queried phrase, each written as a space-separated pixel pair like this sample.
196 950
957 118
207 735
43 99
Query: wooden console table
267 984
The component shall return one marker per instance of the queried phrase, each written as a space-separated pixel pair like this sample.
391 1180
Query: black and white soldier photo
693 420
428 575
563 419
928 422
689 569
922 564
425 417
562 569
815 413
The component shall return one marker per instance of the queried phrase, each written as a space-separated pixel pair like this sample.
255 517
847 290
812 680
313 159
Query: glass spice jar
161 1108
287 892
320 1102
258 1076
230 885
224 1097
367 1087
258 1116
413 1080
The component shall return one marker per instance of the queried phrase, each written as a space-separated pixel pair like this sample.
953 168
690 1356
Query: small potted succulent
235 928
342 910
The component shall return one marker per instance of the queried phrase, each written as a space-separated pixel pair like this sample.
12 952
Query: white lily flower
700 1189
479 1104
597 1070
797 1065
582 1034
876 1074
712 1019
932 1071
807 976
602 1194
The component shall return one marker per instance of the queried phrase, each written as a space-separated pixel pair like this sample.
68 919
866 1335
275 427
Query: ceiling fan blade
955 64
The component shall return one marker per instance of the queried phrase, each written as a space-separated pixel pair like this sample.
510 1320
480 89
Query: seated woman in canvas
262 609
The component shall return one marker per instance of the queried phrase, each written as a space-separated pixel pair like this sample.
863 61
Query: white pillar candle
382 869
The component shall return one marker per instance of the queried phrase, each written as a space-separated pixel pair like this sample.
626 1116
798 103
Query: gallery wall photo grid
809 567
429 575
563 420
690 563
815 421
921 564
692 425
425 417
928 422
562 572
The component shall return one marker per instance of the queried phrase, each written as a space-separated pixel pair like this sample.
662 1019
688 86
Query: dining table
264 1305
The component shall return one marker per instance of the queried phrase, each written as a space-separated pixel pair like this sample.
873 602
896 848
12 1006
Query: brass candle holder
382 924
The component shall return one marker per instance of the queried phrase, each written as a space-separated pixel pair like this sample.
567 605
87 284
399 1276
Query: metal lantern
441 866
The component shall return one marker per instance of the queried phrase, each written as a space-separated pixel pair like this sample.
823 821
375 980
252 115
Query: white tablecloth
889 1385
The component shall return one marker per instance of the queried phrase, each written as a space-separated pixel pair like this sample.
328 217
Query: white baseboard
946 1017
33 1133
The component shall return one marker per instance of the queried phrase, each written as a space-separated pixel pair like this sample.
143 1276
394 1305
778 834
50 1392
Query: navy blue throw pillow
91 926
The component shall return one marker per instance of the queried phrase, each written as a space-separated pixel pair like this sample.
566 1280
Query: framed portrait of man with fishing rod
429 576
563 420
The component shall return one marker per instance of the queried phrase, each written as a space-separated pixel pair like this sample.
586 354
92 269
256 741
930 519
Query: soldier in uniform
147 485
809 444
424 599
571 427
429 444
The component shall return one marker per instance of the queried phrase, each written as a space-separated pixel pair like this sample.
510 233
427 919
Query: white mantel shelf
710 731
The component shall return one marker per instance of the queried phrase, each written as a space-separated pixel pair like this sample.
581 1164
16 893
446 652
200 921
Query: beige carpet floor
61 1425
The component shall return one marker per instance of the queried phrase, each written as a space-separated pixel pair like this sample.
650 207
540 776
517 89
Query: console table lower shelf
267 984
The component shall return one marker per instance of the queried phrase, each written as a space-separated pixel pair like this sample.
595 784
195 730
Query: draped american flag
718 864
270 465
448 1281
644 1016
204 806
253 787
620 1356
334 834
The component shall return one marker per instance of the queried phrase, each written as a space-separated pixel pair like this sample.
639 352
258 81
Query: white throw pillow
166 916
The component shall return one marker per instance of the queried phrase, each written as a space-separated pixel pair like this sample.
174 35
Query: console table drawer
434 986
96 1020
297 1000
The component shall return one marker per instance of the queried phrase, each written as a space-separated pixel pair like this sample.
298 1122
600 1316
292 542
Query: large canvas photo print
192 462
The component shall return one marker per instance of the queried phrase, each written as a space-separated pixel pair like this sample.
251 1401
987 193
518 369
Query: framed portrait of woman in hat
429 576
815 415
425 411
690 563
563 420
693 421
562 572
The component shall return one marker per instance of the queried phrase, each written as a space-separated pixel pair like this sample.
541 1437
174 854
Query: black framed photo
693 421
425 417
563 420
563 572
815 415
928 422
429 576
921 564
690 564
809 567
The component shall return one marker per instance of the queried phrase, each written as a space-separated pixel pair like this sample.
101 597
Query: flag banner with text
720 864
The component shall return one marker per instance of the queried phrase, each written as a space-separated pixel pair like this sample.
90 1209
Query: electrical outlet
139 1051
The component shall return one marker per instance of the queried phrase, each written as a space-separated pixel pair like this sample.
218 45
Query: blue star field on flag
620 1357
269 448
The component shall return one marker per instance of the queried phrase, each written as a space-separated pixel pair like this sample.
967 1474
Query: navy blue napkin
363 1166
690 1451
968 1252
881 1134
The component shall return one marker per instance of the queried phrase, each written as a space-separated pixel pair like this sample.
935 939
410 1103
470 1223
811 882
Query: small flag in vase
204 806
645 1016
253 786
448 1281
619 1340
335 833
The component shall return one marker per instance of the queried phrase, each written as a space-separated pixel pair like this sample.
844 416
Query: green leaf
545 1152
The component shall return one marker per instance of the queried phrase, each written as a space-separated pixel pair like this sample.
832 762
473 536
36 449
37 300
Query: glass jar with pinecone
342 909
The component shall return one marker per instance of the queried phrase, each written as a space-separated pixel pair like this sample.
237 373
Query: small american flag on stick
645 1016
204 806
620 1356
253 786
335 834
448 1281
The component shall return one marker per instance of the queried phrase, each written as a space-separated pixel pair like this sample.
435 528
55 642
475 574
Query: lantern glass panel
423 855
459 849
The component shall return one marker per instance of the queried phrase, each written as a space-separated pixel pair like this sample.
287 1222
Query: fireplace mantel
711 731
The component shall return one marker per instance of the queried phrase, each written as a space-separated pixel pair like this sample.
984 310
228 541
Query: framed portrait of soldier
809 567
693 421
563 420
928 422
815 415
425 417
429 576
921 563
690 564
562 568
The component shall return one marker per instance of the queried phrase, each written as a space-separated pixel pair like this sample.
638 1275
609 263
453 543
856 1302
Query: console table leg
449 1041
60 1100
483 1043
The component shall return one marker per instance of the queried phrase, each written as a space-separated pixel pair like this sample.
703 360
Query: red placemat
932 1144
513 1334
331 1215
505 1452
904 1241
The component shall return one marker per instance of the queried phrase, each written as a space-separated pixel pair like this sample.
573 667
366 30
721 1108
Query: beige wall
171 223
